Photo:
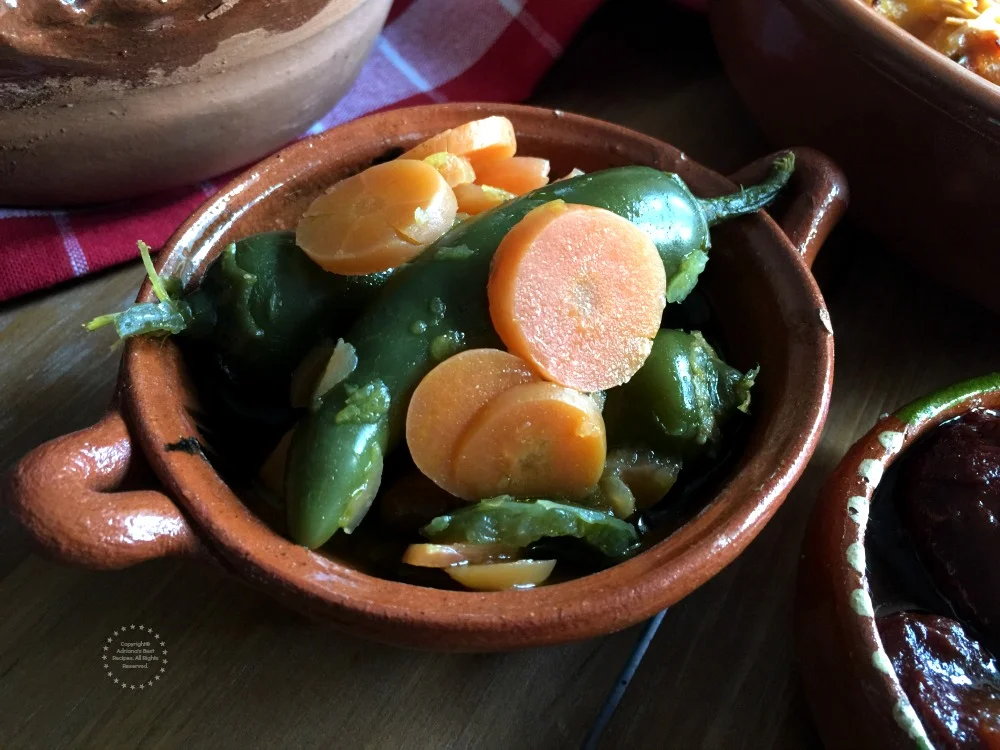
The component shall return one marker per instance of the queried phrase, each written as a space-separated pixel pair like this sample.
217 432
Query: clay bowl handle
811 205
66 494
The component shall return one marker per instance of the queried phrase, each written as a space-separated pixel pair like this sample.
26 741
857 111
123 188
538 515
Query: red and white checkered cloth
488 50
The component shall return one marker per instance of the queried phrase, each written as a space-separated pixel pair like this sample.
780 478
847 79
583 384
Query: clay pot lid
771 310
143 43
852 688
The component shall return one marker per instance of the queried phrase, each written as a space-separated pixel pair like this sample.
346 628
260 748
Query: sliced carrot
517 175
479 141
448 398
474 199
377 219
523 574
578 292
446 555
455 169
534 440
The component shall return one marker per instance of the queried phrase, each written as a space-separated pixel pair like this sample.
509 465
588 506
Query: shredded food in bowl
967 31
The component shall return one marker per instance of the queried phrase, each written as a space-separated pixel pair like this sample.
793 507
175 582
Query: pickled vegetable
518 523
377 219
523 574
534 439
578 292
446 555
678 401
634 480
480 141
448 399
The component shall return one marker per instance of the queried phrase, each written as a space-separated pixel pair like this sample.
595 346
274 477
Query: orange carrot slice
523 574
446 555
479 141
578 292
574 172
448 398
474 199
455 169
377 219
517 175
534 440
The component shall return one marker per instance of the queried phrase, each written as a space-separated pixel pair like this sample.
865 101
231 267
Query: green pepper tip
154 278
100 321
748 200
785 162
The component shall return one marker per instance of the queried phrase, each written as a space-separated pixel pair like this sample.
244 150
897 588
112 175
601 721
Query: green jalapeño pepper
518 523
438 305
678 400
261 306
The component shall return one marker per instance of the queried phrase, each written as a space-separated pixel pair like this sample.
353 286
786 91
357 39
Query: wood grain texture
245 673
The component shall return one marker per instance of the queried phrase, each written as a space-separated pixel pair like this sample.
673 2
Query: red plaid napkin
488 50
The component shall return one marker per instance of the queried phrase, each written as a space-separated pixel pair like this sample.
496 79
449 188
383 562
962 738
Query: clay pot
853 691
177 98
917 134
770 310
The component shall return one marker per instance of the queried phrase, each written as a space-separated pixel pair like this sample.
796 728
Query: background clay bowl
852 689
199 112
917 135
770 309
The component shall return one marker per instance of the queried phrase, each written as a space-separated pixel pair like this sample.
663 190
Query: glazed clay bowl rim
912 64
386 610
834 550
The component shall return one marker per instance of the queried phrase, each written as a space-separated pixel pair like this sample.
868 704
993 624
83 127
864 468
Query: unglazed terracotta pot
917 134
854 693
770 311
109 100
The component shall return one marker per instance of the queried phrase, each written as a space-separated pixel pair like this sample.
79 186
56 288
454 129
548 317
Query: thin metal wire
621 684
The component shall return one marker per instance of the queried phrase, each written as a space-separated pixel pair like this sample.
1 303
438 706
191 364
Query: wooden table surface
245 673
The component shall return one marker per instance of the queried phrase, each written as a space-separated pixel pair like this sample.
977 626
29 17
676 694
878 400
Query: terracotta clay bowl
917 134
769 307
854 693
111 102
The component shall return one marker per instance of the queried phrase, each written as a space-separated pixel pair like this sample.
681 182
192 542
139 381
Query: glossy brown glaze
164 114
917 134
68 492
949 677
769 307
949 502
853 691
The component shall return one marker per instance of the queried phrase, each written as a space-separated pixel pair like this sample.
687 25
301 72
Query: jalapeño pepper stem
169 315
750 199
261 305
